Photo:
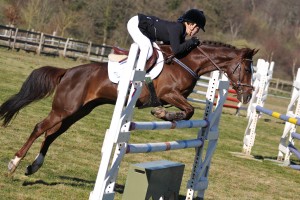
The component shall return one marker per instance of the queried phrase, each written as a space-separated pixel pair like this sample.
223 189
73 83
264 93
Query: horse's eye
249 69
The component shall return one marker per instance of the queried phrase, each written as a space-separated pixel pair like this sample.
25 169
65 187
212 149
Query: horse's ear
254 51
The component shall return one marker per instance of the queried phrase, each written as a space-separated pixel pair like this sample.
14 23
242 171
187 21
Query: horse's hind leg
54 132
39 129
50 136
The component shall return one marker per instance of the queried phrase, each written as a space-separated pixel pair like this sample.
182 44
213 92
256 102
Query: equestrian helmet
194 16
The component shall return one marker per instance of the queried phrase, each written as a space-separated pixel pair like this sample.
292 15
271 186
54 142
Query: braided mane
214 43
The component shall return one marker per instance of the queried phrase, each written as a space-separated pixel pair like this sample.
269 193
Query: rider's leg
143 42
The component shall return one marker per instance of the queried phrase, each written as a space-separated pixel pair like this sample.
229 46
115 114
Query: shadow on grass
266 158
120 189
75 182
71 181
274 121
258 157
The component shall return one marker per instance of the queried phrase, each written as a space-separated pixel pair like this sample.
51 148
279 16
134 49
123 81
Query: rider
146 29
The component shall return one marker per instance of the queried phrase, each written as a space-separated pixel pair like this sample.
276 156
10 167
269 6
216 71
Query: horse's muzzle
245 98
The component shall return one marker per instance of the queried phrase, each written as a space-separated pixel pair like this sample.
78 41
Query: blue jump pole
294 150
278 115
163 146
296 135
296 167
168 125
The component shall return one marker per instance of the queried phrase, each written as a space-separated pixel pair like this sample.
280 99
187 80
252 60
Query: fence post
89 49
6 32
29 40
39 49
102 51
15 38
9 38
52 40
65 48
277 85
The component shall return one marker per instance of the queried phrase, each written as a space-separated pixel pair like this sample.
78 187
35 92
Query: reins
201 50
184 66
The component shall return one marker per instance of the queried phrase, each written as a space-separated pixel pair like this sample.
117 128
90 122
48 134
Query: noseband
238 85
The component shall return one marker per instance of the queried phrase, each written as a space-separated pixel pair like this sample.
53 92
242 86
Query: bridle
238 85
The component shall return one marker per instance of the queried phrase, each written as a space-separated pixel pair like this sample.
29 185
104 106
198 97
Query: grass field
71 165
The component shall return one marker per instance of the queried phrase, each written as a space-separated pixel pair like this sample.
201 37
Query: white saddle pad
115 69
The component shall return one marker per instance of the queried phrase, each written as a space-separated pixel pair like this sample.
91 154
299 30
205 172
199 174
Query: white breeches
138 37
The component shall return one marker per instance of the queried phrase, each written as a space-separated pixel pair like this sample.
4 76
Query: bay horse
78 90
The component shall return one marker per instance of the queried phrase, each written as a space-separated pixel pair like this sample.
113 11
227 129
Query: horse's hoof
156 109
11 167
29 170
171 116
159 112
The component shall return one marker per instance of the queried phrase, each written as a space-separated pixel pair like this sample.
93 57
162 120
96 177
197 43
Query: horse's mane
209 43
219 44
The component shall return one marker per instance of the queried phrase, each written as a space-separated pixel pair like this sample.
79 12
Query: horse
78 90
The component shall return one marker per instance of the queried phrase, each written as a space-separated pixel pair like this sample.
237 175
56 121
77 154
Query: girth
153 100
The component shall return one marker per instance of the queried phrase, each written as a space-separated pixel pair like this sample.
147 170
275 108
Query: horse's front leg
177 100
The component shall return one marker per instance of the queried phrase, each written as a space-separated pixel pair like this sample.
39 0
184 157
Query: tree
11 11
37 14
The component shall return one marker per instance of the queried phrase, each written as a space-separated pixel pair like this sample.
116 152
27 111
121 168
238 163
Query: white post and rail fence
42 43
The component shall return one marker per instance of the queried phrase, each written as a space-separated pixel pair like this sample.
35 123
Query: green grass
71 165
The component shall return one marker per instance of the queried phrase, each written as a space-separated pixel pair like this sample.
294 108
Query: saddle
120 54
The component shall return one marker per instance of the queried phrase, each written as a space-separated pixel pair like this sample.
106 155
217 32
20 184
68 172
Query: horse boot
159 112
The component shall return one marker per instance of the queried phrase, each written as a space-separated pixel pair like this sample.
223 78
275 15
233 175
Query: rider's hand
196 41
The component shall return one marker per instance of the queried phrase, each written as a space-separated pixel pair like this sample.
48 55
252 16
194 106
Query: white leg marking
12 165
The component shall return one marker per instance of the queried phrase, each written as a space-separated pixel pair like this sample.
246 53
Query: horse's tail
39 84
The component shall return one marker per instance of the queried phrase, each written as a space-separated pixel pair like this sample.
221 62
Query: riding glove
196 41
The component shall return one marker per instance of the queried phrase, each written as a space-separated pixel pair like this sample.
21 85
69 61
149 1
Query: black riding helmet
194 16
